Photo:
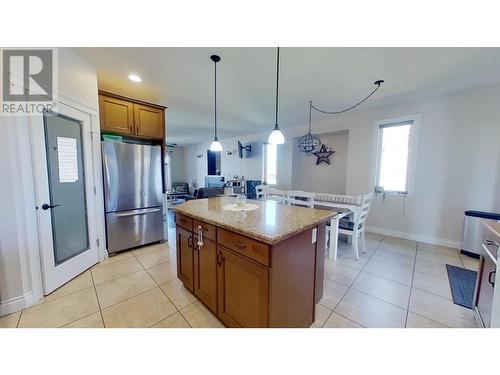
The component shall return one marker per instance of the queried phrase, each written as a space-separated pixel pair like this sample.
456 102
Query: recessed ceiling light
134 78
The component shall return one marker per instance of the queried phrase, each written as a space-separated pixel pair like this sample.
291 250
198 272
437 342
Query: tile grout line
83 317
411 285
432 320
158 285
385 278
19 319
93 286
126 299
349 319
349 287
434 294
97 298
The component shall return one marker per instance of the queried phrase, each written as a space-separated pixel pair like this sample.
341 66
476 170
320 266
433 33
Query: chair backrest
328 198
180 186
260 191
300 198
366 203
273 194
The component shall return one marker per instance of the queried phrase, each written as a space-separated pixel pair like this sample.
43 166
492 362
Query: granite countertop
271 223
494 226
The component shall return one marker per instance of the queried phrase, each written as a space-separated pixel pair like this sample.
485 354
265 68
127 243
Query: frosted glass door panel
68 206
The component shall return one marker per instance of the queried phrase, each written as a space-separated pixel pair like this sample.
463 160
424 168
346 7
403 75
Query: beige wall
324 178
457 166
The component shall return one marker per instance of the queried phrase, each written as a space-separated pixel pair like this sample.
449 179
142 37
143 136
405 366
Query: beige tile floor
396 283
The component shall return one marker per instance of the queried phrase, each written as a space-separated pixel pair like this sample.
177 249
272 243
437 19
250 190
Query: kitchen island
258 268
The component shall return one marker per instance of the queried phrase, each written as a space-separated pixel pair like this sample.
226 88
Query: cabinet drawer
252 249
209 230
184 221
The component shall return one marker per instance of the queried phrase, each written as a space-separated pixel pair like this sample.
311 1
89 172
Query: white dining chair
300 198
356 228
260 191
273 194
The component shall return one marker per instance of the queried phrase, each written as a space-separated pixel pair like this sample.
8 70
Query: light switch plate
314 235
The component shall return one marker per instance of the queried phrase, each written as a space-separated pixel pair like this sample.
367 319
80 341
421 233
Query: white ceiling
182 79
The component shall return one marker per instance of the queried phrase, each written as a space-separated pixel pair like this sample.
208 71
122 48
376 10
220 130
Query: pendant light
309 143
216 145
276 137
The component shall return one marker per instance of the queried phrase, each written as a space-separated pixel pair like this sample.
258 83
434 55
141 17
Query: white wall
457 168
324 178
20 277
177 163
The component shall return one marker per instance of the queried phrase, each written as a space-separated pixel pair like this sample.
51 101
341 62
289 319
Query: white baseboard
414 237
15 304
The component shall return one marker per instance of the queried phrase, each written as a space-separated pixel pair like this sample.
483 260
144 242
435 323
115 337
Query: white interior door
65 195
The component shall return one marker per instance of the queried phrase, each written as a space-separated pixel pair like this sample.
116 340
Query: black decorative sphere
309 143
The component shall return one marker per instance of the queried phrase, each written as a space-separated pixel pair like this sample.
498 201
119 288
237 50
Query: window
270 161
394 156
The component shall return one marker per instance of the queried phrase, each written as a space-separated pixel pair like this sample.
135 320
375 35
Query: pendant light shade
276 136
216 146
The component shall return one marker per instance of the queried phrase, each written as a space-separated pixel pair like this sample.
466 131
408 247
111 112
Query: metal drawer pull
490 243
492 273
240 245
200 236
136 213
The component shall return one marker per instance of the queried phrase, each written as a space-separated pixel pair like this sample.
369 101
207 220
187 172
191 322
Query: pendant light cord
215 102
277 83
310 105
377 83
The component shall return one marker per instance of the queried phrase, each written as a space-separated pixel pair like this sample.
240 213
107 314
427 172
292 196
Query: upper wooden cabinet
131 117
148 121
116 115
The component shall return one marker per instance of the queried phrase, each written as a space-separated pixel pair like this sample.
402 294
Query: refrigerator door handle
137 212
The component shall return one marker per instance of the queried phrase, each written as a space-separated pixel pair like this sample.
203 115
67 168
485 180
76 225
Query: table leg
334 233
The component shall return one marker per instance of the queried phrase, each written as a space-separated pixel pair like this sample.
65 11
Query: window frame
264 164
412 151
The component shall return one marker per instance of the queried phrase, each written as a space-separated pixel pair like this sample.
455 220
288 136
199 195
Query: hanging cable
377 83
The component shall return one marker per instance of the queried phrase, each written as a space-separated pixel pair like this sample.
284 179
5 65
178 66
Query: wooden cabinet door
116 115
185 257
243 291
205 273
148 121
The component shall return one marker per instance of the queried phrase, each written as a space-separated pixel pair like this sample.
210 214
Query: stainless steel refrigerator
132 194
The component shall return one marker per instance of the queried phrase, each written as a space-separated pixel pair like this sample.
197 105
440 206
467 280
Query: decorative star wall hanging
323 155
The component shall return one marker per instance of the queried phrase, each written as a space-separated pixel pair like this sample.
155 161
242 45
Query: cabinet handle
200 237
239 245
190 241
492 273
219 258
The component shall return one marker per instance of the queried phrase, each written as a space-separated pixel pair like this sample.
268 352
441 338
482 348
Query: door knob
46 206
